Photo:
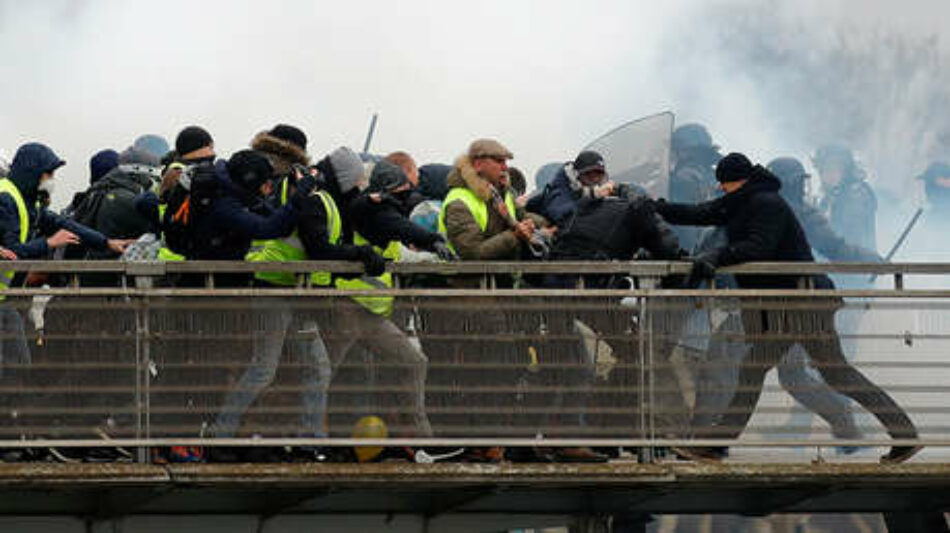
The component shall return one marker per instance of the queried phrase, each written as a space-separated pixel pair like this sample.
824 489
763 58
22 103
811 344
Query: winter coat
385 221
607 229
225 229
115 214
760 226
25 174
281 154
498 241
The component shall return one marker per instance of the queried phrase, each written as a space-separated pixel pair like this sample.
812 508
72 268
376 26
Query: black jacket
386 220
760 226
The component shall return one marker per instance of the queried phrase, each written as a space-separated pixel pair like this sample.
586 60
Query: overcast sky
544 77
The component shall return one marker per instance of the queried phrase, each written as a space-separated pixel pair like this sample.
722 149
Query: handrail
637 268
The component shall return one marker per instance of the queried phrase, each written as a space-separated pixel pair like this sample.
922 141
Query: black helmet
690 136
834 152
791 173
249 169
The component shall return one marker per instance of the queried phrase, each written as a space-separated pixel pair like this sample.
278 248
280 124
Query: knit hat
138 156
290 134
589 160
101 163
937 169
249 169
192 138
348 169
733 167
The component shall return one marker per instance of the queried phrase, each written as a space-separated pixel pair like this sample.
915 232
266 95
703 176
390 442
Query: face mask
46 186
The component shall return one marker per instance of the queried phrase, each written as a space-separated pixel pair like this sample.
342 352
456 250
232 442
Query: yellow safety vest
290 248
476 206
380 305
8 187
165 253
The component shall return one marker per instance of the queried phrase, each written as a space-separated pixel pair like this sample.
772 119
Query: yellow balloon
369 427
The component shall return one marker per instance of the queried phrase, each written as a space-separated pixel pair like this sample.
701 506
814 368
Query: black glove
704 268
374 263
442 250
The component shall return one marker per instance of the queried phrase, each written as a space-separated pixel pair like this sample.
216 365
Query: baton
901 239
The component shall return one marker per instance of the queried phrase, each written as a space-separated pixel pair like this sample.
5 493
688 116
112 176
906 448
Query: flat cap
488 148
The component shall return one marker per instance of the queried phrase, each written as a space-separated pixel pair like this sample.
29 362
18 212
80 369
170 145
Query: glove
374 263
442 250
704 268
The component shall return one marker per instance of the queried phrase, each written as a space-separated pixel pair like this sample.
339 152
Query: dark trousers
772 330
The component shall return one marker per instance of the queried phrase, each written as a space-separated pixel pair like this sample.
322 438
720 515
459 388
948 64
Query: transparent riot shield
638 152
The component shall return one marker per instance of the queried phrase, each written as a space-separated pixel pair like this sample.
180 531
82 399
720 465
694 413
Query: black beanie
192 138
249 169
290 134
733 167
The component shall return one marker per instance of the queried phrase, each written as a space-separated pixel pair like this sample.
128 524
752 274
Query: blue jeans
13 348
273 318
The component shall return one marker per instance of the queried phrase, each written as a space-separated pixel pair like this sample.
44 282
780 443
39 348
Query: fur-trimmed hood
465 175
282 154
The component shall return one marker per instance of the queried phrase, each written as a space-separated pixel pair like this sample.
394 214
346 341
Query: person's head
390 179
937 183
835 163
517 181
285 146
101 163
154 145
194 143
692 141
791 173
252 173
590 167
344 172
490 160
733 171
32 169
408 165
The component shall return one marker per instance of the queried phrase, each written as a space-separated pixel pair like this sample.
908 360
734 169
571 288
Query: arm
711 213
384 224
314 234
50 222
230 215
469 241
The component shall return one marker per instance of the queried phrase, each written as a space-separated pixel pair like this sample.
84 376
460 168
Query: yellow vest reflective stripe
476 206
165 253
290 248
8 187
380 305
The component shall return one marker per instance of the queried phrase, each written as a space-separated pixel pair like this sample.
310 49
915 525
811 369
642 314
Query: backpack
192 194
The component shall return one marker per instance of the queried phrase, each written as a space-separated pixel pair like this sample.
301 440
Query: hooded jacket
760 226
30 162
498 241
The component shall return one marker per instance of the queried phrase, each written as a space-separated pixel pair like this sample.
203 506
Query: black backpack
193 194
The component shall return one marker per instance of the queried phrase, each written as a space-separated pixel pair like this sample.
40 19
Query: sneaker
702 454
899 454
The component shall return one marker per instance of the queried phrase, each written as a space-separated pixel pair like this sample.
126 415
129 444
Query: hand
7 254
703 269
548 232
119 245
442 250
604 189
524 230
62 238
373 263
522 200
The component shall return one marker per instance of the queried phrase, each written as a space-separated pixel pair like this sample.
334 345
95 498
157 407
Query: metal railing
507 362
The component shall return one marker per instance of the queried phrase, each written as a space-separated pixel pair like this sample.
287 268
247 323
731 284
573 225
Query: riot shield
638 152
